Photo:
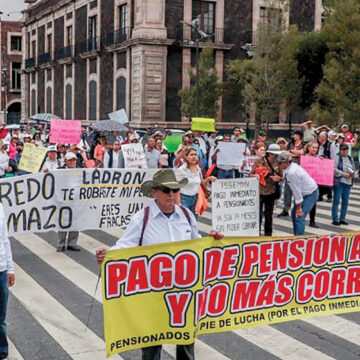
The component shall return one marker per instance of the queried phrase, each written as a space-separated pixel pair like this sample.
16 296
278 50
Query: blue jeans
189 202
225 174
299 222
342 191
4 294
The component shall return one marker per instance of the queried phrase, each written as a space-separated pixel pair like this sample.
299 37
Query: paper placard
235 207
251 161
203 124
65 131
120 116
172 142
32 158
230 154
320 169
134 156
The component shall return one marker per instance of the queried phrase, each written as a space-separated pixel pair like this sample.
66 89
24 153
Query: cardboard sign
172 142
320 169
235 207
134 156
230 154
120 116
65 131
203 124
32 158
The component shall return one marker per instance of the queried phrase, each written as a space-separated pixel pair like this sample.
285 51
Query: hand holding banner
65 131
320 169
32 158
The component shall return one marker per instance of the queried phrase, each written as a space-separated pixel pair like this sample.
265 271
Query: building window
68 101
33 102
271 16
204 13
123 18
28 45
49 43
120 93
69 35
69 71
49 100
92 100
15 75
33 78
92 33
33 48
15 43
48 75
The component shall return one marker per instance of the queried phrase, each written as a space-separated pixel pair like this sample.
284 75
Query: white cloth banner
231 154
73 200
235 207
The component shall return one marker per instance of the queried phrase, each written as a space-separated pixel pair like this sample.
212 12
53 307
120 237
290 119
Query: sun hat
274 149
285 156
332 133
165 177
70 155
189 132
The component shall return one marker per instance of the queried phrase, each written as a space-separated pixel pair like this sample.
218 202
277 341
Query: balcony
65 54
30 63
45 58
89 48
118 36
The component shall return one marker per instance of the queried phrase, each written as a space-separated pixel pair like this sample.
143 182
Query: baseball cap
70 155
332 133
52 148
285 156
262 133
344 147
344 125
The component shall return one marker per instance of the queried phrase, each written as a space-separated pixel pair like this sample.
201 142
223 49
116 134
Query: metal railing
216 35
44 58
118 36
30 62
64 52
90 44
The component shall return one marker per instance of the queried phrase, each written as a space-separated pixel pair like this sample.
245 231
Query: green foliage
209 88
339 91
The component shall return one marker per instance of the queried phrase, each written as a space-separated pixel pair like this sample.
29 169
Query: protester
344 178
71 236
303 187
202 143
7 279
12 149
282 143
164 154
37 139
161 222
309 132
238 133
192 172
211 140
224 171
4 159
312 150
265 170
100 150
344 130
152 155
51 162
114 158
260 138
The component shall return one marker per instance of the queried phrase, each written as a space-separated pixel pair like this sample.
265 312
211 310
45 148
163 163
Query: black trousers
313 214
267 209
325 190
183 352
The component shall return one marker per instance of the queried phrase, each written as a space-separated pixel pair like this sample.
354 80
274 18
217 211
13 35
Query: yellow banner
32 158
203 124
169 294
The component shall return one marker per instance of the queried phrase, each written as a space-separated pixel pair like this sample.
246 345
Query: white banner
231 154
235 207
78 199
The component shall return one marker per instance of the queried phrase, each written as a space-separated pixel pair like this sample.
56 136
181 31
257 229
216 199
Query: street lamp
203 36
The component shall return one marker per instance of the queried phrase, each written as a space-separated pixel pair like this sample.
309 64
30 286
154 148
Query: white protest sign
73 199
134 156
120 116
235 207
230 154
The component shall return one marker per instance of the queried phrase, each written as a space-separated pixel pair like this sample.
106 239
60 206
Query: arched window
92 100
120 93
33 102
49 100
68 101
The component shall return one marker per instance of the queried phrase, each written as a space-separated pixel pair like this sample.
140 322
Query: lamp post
202 36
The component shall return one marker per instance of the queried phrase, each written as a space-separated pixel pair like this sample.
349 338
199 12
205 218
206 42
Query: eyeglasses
167 190
191 136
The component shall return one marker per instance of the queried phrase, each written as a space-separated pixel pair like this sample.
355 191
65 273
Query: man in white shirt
7 278
161 222
304 188
152 155
114 158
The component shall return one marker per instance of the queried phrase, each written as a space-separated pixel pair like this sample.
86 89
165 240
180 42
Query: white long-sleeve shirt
160 229
300 182
6 261
4 163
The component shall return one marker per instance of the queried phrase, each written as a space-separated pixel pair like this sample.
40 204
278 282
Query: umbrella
44 117
12 127
109 125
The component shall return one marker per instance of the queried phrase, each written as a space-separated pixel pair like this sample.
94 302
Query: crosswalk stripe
13 352
58 321
281 345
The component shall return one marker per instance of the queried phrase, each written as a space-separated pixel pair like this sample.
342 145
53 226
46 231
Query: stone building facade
10 67
86 58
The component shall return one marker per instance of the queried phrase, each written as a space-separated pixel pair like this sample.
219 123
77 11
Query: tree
209 88
269 80
339 91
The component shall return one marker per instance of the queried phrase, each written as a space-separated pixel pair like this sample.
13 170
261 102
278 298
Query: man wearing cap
51 162
346 132
161 222
71 236
304 189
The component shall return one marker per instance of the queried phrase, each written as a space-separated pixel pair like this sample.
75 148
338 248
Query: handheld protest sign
321 170
32 158
134 156
172 143
65 131
203 124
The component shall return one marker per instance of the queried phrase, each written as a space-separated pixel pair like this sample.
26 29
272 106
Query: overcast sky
9 6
